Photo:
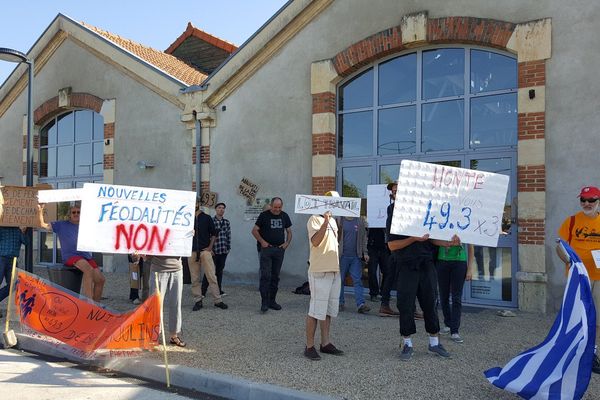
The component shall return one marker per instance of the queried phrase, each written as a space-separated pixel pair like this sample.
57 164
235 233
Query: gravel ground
268 348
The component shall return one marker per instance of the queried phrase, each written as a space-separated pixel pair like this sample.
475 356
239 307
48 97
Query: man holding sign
582 232
67 232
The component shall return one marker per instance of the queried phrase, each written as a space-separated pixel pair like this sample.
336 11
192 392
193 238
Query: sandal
177 341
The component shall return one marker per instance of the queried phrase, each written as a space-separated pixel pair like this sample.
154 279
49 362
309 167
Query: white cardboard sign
125 219
339 206
59 195
442 201
378 200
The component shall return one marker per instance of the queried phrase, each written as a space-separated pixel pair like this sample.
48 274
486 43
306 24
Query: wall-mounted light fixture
531 94
145 164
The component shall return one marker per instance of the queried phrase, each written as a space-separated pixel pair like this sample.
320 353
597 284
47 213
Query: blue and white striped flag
560 367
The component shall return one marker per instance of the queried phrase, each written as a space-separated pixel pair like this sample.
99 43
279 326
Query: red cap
590 192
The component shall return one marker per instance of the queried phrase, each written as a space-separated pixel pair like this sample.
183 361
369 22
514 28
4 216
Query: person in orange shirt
582 232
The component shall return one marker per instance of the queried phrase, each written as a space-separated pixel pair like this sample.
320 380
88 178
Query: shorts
72 260
324 294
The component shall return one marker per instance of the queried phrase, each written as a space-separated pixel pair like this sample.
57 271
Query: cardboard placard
378 200
20 206
248 189
126 219
442 201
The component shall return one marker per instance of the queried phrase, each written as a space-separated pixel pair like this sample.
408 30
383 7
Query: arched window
71 154
427 103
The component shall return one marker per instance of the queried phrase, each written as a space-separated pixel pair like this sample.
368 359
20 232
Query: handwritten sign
248 189
339 206
442 201
20 206
378 200
59 195
124 219
208 199
84 325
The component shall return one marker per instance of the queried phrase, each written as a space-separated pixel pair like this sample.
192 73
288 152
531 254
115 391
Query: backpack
303 289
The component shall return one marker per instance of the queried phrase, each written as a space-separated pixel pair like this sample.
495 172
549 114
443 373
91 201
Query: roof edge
191 30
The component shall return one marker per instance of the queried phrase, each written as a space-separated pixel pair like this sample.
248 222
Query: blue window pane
83 159
494 121
443 126
355 181
51 169
48 134
98 158
358 93
491 71
65 161
398 80
83 126
356 138
443 73
98 126
397 130
66 128
389 173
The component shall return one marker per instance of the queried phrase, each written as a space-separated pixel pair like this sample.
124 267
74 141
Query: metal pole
29 179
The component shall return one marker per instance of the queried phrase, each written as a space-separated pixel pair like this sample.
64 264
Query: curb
212 383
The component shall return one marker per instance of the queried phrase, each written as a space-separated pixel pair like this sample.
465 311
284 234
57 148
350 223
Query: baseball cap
332 193
590 192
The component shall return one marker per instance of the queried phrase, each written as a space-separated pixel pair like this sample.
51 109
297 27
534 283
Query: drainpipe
198 147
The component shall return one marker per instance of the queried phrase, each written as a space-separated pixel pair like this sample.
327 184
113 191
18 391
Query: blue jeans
5 273
353 265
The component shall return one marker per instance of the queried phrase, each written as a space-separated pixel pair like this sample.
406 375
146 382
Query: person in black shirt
273 231
414 260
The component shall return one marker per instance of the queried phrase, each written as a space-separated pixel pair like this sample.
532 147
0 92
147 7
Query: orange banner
82 324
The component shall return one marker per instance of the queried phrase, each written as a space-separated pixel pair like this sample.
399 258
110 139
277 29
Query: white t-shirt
325 256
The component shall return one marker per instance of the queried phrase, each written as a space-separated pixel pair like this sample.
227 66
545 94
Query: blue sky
154 23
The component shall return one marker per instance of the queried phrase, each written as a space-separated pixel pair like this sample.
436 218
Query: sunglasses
584 200
75 212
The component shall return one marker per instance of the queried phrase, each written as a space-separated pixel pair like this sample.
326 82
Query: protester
142 275
202 260
170 284
453 268
378 255
11 239
353 247
273 231
324 280
582 232
67 232
414 259
221 247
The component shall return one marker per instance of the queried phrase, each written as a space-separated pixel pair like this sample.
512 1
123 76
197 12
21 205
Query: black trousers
271 260
378 257
451 278
416 279
219 260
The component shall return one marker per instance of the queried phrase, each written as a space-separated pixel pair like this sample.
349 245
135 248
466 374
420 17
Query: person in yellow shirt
582 232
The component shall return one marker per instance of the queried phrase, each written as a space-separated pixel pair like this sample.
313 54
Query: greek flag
560 367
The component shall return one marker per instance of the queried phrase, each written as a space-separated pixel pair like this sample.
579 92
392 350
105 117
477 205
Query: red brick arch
466 30
50 107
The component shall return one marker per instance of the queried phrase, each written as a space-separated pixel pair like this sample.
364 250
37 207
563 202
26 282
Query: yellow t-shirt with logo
324 257
585 237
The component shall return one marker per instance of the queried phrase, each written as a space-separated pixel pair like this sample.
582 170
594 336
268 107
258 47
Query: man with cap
582 232
324 280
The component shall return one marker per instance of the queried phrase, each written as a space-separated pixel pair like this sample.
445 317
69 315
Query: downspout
198 147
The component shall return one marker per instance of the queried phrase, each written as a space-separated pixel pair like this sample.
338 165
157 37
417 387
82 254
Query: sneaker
406 353
197 306
311 354
221 305
342 307
418 315
274 306
445 330
386 311
375 297
455 337
264 307
363 309
136 301
439 350
596 364
331 349
223 294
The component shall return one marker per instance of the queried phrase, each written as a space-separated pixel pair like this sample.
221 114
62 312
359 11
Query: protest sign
378 200
20 206
248 189
124 219
339 206
59 195
84 325
442 201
